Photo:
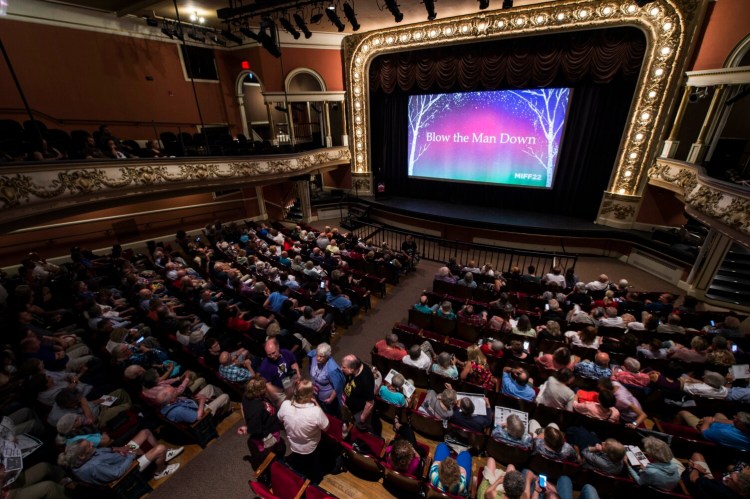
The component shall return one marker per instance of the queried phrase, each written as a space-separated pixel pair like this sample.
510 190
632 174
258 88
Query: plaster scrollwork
27 187
618 210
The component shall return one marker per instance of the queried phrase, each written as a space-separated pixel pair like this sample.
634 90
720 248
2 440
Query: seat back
431 492
426 425
418 376
553 468
401 485
441 325
475 440
285 482
314 492
506 453
386 410
365 465
606 485
417 318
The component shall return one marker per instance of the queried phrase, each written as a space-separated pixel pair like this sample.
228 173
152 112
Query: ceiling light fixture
301 25
335 20
289 27
351 16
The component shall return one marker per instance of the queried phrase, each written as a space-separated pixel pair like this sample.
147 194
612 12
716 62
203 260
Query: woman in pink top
629 373
604 409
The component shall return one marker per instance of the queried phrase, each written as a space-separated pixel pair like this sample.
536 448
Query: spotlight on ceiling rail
228 35
392 6
289 27
334 18
351 16
301 25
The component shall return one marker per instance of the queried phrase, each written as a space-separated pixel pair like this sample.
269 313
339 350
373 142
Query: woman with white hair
327 379
662 471
630 373
444 274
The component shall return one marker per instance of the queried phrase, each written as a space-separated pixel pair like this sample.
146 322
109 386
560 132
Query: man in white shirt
600 284
555 276
611 319
417 358
711 387
555 392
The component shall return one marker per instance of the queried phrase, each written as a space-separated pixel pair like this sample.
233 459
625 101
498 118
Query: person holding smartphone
539 487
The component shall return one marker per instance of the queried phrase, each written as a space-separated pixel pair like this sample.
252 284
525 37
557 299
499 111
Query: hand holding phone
543 481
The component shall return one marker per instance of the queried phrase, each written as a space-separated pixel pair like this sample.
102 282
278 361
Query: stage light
429 5
249 33
268 40
392 6
289 27
334 18
302 26
315 18
218 41
231 36
507 4
484 4
351 16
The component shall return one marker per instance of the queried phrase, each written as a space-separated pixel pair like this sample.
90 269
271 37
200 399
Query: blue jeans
564 488
463 459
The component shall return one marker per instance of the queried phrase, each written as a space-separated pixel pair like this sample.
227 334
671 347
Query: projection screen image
506 137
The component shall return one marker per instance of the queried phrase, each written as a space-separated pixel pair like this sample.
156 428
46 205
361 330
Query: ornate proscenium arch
669 27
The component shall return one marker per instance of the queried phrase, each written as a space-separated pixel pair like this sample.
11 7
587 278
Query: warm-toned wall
73 74
661 207
728 23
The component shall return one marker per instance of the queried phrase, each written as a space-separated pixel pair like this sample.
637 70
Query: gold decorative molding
721 202
618 210
668 25
28 189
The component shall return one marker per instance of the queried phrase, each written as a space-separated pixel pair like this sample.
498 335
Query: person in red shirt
390 348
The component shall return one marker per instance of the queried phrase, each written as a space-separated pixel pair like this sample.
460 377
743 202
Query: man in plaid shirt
235 371
594 370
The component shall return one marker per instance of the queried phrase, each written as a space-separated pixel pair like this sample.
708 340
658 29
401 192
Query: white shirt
559 279
424 361
555 394
703 390
304 424
597 285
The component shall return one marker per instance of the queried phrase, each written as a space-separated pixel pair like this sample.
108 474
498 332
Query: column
261 202
308 125
344 131
710 258
671 144
699 148
327 114
290 122
303 192
271 126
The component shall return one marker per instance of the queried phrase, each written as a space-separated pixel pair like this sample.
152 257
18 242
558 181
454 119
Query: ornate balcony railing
727 205
32 189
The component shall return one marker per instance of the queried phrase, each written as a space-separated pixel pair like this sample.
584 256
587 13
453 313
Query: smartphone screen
542 481
140 339
322 284
525 345
734 348
546 307
713 324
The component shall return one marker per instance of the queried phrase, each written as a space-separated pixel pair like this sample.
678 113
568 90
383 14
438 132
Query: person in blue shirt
339 300
276 299
734 433
516 383
424 307
392 392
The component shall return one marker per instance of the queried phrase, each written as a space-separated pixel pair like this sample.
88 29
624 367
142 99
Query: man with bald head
601 284
237 370
280 370
359 392
594 370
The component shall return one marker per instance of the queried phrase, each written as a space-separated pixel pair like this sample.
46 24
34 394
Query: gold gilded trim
668 26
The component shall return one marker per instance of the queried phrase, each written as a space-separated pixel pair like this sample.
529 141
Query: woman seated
606 456
393 392
439 406
550 443
559 359
517 351
449 474
513 431
662 471
404 455
584 338
446 365
477 371
524 327
549 331
603 409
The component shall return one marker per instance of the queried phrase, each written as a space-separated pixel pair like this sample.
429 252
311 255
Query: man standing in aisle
359 392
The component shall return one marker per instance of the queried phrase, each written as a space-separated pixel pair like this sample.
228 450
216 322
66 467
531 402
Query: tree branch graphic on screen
422 110
545 103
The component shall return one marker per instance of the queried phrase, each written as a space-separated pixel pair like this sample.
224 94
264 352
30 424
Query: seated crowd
103 349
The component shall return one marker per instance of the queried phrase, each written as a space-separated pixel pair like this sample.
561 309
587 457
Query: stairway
732 281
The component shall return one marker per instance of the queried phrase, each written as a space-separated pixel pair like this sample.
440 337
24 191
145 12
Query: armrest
658 425
427 464
265 464
302 490
113 484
